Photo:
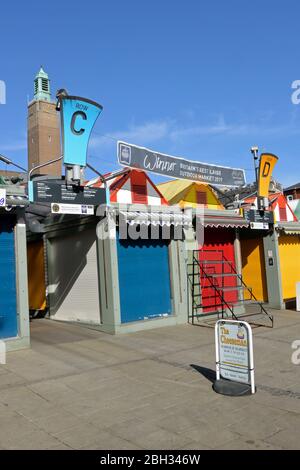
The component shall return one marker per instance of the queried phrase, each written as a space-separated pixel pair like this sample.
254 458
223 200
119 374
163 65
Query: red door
217 259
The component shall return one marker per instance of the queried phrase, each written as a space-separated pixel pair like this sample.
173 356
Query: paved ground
78 388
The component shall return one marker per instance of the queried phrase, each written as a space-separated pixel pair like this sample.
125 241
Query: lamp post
254 151
260 200
10 162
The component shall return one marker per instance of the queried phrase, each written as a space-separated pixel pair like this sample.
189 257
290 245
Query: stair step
222 275
207 306
210 261
205 314
242 302
252 317
228 288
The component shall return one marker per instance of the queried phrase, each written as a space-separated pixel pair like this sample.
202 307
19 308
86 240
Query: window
201 197
282 214
45 84
139 194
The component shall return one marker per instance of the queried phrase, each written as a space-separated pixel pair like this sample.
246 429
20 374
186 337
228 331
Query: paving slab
78 388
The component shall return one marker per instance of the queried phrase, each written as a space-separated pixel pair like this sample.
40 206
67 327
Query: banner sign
144 159
58 191
78 116
266 166
234 352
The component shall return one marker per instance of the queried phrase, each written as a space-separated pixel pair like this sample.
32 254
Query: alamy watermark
296 354
2 92
2 352
295 97
138 222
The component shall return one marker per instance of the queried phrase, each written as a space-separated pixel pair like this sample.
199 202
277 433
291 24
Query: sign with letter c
78 116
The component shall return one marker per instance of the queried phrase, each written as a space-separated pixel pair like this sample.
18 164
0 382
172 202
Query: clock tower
43 129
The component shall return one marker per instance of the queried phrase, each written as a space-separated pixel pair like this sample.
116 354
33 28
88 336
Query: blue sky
201 79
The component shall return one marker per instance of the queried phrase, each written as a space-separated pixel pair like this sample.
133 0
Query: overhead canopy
289 228
156 218
225 218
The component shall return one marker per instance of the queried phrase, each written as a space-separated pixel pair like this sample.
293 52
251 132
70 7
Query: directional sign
174 167
60 192
262 217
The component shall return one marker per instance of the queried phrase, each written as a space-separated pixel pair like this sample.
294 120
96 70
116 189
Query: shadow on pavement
209 374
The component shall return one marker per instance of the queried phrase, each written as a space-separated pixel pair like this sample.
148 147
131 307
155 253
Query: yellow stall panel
36 275
289 255
253 267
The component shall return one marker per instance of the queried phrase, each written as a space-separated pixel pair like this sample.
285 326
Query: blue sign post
78 117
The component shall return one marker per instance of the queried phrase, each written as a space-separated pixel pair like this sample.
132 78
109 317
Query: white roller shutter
73 278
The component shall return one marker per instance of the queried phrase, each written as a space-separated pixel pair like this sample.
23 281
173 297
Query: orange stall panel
289 255
36 275
253 267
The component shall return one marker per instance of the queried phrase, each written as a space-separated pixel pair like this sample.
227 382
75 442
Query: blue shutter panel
8 305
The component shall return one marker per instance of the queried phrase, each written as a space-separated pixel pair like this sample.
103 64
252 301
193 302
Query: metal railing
227 306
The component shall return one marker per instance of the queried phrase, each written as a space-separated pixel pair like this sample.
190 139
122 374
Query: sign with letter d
266 166
78 116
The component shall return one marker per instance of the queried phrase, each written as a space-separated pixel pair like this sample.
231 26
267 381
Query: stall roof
131 187
190 193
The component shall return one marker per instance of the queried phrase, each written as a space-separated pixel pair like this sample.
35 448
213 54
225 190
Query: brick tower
43 129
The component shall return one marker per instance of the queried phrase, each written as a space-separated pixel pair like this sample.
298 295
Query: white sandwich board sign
234 352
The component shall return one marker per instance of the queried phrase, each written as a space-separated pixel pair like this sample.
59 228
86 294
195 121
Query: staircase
213 298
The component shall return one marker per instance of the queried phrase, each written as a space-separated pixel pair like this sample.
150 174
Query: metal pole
103 181
10 162
217 349
254 151
43 165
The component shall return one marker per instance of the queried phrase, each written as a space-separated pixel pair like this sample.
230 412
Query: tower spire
42 86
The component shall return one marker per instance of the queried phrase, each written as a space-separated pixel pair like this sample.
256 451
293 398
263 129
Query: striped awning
225 218
228 223
156 218
289 228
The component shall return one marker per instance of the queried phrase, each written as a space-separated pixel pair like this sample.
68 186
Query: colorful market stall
131 187
14 314
269 257
122 269
289 259
295 206
217 248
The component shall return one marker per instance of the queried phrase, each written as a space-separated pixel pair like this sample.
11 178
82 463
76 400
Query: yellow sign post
266 166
